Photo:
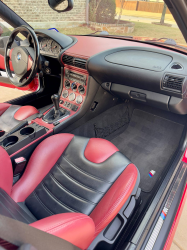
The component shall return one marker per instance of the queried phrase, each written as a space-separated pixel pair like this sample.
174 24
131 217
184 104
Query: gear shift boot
52 116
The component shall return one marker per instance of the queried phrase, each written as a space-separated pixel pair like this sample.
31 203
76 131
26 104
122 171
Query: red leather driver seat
73 187
11 115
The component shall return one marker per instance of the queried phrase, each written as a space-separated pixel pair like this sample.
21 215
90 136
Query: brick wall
39 11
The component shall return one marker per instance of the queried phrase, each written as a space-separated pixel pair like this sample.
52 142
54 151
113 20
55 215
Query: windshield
141 20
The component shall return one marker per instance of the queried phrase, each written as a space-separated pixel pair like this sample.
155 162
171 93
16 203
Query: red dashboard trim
88 46
76 70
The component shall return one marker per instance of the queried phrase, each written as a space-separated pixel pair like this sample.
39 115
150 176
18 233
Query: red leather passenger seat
73 187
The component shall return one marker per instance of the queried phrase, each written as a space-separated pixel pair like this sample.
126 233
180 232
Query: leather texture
11 115
24 112
76 228
72 197
9 208
42 160
4 107
115 198
102 149
7 120
6 172
74 184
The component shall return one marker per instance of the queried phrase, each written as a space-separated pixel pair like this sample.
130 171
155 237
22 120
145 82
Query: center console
23 137
74 92
69 99
20 143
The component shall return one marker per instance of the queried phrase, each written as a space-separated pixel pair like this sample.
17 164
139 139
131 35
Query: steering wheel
24 59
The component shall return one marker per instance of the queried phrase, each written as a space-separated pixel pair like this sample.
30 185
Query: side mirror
61 5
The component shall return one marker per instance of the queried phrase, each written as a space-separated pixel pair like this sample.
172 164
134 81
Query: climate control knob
65 94
72 97
67 84
81 89
74 86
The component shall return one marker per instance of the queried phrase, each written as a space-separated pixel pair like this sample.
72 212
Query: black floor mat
106 124
149 142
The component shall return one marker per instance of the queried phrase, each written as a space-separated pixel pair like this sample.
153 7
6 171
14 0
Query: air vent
80 63
67 59
74 61
176 66
173 82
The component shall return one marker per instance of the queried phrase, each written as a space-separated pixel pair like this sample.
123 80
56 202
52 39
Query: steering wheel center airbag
19 61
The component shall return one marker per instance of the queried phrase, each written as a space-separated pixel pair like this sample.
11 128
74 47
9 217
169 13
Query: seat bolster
115 198
78 229
42 160
4 107
24 112
99 150
6 172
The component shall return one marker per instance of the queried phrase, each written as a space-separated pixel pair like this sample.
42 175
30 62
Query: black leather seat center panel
75 184
9 208
7 120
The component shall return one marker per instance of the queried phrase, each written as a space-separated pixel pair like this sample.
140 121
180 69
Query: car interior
87 152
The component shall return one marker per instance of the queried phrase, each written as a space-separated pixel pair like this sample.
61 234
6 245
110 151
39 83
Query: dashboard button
138 96
72 97
65 94
79 99
74 108
48 71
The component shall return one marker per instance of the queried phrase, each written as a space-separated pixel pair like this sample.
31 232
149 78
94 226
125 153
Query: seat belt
16 233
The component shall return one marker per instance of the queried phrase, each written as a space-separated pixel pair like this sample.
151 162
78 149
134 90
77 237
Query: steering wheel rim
33 70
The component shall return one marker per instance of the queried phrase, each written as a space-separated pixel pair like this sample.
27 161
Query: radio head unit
70 75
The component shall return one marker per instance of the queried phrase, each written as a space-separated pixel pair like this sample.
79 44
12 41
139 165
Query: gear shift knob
56 99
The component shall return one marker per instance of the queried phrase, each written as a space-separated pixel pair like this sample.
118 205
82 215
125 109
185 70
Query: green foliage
102 11
5 31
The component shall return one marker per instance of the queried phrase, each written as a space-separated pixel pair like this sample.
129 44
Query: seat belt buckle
19 165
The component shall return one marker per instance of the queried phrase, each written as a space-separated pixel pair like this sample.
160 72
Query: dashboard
127 69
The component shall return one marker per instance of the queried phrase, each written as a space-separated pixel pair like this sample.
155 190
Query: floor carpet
149 142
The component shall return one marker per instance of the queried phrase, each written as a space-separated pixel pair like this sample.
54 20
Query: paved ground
7 94
180 239
146 17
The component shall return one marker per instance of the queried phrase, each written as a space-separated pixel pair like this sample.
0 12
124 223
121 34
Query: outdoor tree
163 14
93 6
121 10
106 11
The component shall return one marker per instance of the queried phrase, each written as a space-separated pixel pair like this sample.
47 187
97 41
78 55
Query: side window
7 90
4 28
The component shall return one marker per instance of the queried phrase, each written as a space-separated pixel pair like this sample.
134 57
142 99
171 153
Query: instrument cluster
49 46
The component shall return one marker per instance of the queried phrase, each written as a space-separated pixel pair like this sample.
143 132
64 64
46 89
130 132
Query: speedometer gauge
45 44
55 48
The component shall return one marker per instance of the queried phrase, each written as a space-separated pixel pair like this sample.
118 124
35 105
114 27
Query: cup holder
27 131
2 133
9 141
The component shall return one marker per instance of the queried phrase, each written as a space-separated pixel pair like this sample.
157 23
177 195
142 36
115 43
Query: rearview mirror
61 5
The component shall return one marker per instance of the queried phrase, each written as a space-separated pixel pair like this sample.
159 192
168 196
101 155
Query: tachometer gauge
55 48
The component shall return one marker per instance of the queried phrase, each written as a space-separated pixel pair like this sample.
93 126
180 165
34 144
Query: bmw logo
19 56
